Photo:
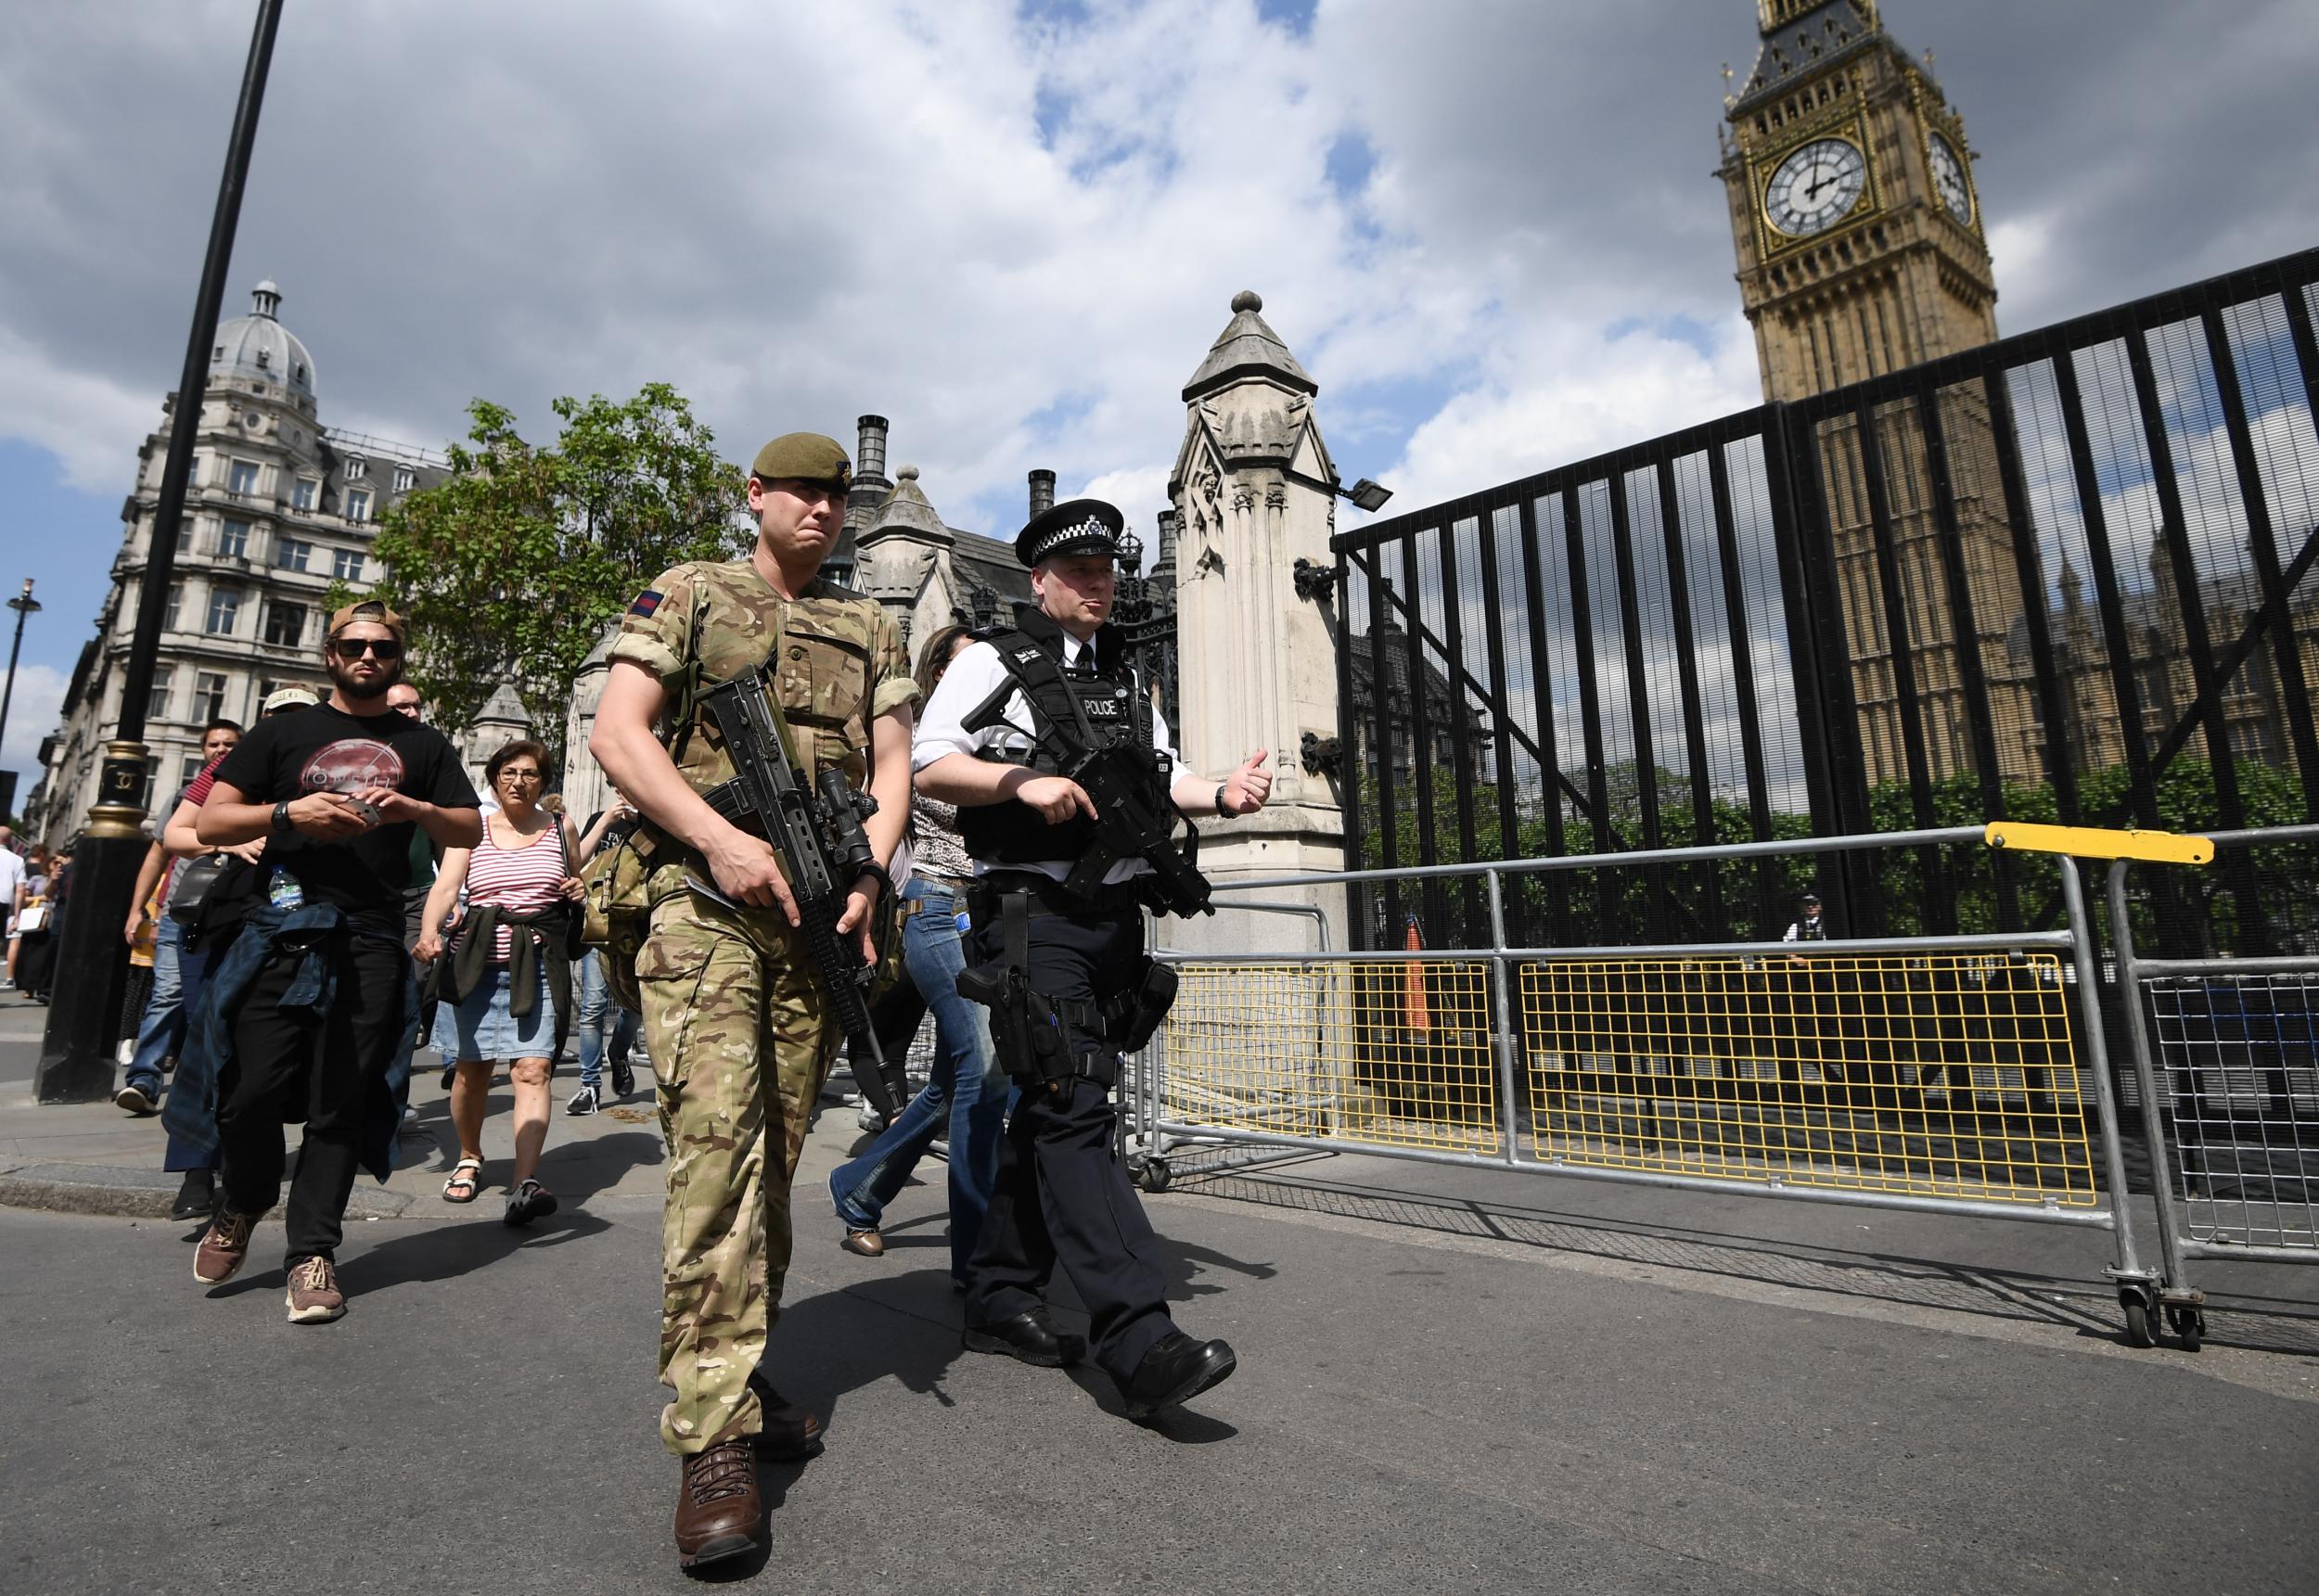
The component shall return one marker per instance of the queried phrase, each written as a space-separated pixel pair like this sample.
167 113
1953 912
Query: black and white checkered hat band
1093 527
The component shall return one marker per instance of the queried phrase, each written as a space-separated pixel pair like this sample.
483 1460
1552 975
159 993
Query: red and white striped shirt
519 880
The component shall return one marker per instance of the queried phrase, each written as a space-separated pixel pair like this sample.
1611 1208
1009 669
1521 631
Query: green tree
512 568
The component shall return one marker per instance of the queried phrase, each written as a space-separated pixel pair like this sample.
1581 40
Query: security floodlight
1368 494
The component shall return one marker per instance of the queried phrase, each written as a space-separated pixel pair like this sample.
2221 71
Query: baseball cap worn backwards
283 699
802 457
368 609
1073 527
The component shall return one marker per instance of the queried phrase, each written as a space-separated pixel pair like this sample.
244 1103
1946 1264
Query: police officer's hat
1073 527
1813 899
803 457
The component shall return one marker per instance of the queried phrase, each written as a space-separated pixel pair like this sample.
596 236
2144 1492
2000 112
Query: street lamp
24 603
1369 494
76 1053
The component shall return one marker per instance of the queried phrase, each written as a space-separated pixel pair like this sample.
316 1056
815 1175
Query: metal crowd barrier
1962 1075
2226 1062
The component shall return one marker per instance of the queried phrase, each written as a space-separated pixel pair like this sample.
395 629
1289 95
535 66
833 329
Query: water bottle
282 890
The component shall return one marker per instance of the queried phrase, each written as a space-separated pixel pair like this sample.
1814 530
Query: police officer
1807 926
1073 961
739 1031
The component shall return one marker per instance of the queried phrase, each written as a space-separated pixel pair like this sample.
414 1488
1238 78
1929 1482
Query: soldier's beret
1073 527
802 457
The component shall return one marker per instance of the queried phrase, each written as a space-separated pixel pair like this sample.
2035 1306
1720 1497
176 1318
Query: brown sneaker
719 1512
225 1246
313 1296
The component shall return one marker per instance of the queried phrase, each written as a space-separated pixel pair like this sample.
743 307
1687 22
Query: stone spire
1247 348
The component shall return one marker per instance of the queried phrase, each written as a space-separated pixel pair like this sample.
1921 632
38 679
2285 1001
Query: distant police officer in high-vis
1062 876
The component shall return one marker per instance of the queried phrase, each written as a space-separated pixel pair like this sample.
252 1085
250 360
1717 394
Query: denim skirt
489 1032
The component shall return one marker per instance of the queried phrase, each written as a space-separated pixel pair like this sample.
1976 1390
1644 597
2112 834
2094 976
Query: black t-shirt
325 749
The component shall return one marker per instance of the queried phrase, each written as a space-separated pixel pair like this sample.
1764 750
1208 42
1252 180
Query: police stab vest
1108 703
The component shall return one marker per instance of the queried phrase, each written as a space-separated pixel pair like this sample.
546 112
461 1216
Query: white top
1796 932
11 877
971 678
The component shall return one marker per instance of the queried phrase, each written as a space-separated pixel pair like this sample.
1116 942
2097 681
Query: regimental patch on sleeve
647 601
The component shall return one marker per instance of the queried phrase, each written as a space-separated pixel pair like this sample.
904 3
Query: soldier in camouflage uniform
739 1033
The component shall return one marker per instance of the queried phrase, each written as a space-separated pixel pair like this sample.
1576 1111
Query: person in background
508 977
964 1102
12 897
605 1028
305 1015
36 917
162 1031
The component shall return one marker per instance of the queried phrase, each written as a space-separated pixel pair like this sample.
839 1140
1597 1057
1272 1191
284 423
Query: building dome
258 347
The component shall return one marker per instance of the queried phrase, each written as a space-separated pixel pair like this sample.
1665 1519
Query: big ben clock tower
1853 204
1862 251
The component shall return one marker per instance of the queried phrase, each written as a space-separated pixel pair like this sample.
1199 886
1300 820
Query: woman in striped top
509 976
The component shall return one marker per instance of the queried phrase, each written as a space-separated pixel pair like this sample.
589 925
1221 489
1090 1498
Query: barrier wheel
2189 1325
2138 1330
1154 1176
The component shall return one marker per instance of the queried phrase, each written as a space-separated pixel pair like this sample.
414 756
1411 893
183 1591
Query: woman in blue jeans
964 1099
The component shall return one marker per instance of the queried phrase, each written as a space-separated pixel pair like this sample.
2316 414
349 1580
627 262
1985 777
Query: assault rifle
824 851
1117 777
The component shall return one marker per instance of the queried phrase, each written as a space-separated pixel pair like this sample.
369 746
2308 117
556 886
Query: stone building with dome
279 506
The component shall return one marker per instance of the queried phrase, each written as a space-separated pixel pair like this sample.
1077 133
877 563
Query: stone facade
278 508
1254 489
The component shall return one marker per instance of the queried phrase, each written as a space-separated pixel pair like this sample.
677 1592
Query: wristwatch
1220 808
282 827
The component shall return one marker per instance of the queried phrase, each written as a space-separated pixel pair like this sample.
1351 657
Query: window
209 693
185 533
356 467
403 478
242 477
357 504
302 495
225 610
233 540
188 770
169 616
346 564
156 702
193 469
291 554
285 624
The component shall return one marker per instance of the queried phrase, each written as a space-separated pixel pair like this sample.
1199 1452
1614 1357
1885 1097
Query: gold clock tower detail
1853 204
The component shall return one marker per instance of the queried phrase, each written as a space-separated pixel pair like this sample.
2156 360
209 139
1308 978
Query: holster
1037 1038
1131 1016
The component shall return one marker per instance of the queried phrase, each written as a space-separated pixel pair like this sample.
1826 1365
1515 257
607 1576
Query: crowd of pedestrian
318 864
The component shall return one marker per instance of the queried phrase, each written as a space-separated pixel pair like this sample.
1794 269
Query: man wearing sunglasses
314 997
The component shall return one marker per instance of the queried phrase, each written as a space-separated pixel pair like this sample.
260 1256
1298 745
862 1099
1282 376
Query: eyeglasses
352 648
519 775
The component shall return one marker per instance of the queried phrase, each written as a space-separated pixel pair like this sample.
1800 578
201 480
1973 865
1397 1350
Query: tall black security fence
2066 577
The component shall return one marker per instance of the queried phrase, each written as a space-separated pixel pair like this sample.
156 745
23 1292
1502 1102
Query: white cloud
92 424
32 711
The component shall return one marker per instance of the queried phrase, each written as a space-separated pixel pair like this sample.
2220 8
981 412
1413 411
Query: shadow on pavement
2257 1323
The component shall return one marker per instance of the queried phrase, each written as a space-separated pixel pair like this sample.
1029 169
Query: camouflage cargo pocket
825 683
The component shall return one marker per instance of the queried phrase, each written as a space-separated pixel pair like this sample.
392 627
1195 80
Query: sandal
466 1175
528 1201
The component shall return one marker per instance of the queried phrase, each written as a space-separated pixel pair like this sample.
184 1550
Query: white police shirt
973 677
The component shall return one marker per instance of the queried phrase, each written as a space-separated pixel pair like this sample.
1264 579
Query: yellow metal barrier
1938 1076
2094 842
1390 1051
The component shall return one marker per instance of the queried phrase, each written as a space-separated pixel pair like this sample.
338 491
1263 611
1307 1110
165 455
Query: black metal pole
24 603
76 1055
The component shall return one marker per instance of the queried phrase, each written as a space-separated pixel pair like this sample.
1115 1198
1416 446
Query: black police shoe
1174 1371
1030 1337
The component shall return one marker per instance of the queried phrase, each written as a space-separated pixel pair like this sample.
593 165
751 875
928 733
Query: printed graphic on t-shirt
350 764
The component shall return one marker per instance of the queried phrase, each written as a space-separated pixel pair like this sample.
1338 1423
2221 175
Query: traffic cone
1420 1016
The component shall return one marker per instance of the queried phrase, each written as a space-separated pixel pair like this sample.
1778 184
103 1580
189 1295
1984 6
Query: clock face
1948 180
1815 187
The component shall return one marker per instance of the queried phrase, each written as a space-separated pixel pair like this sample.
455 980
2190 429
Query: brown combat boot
719 1512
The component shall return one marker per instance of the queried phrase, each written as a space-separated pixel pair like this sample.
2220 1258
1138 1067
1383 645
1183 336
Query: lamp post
76 1053
24 603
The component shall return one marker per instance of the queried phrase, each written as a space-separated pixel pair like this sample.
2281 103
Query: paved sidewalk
1452 1380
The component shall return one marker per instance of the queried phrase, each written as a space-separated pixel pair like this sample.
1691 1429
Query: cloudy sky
1490 228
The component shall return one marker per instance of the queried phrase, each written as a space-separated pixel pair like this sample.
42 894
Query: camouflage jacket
837 661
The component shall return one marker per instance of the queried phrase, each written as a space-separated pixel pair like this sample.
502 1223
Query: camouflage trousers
740 1040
